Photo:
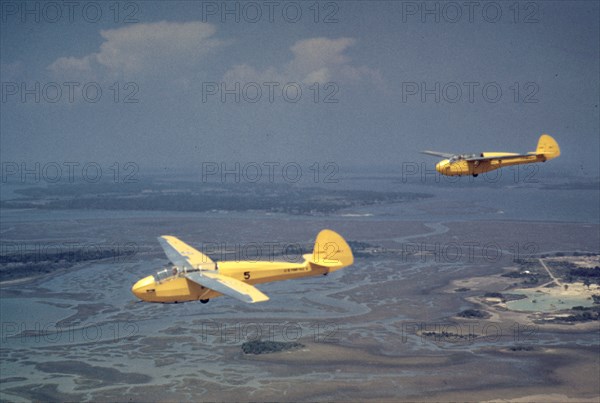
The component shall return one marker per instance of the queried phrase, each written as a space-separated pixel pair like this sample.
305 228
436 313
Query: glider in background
475 164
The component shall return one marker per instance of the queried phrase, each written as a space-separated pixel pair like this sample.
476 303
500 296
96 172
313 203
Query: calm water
540 302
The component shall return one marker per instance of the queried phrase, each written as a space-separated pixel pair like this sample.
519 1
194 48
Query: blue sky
379 81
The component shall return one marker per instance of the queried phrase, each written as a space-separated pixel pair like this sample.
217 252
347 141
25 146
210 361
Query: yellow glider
195 277
475 164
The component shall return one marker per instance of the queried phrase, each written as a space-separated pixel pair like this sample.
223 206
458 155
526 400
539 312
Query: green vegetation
529 277
449 336
494 295
581 314
586 275
473 314
267 347
198 197
571 273
14 266
515 274
567 271
522 348
362 249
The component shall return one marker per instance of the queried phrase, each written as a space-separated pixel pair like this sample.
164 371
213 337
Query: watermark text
52 92
269 92
324 12
68 172
52 12
269 171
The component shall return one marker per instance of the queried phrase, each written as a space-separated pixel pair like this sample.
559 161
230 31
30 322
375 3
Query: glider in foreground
193 276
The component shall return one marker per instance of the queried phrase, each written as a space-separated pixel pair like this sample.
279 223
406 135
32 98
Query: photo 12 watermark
253 12
289 252
469 332
269 92
286 331
69 92
470 12
68 172
269 172
61 333
18 253
424 172
467 251
54 12
471 92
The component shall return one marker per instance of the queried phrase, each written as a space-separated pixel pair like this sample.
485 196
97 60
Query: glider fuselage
194 276
177 288
475 164
463 167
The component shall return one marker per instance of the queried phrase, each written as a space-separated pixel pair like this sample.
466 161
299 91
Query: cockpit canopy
459 157
165 273
168 272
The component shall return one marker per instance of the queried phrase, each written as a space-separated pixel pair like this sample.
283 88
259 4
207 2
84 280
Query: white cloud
318 76
178 49
314 60
73 67
316 53
147 47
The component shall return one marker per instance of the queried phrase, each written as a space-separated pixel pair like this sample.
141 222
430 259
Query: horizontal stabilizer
322 262
227 286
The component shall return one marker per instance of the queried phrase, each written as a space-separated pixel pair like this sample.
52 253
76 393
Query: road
554 279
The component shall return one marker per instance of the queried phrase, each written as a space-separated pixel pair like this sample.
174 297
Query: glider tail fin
330 251
548 147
